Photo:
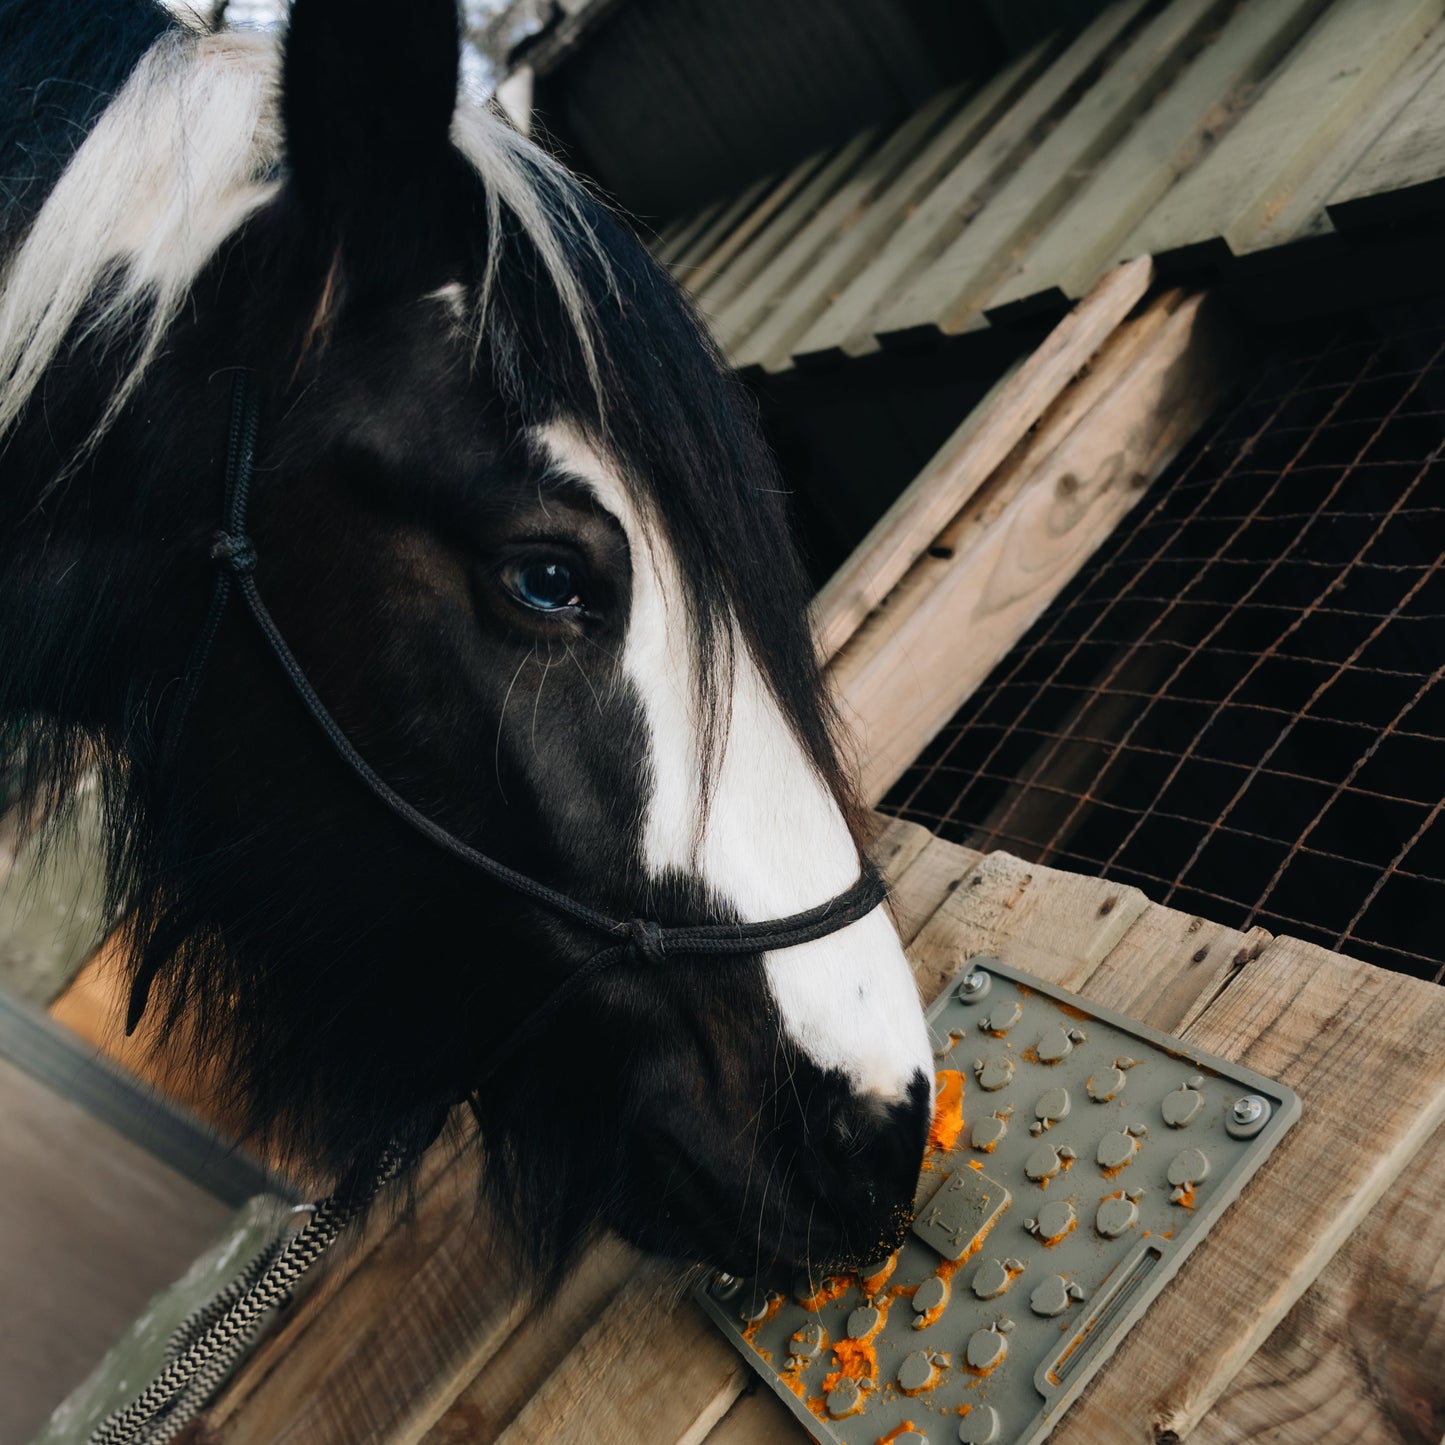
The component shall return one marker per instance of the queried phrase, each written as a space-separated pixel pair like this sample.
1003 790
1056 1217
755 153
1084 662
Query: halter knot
644 937
234 551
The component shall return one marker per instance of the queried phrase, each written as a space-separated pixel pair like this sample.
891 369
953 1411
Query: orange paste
947 1111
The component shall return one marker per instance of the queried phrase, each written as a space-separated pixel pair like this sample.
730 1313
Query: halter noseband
643 939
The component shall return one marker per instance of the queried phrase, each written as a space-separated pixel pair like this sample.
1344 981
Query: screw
973 985
1247 1116
724 1286
1248 1108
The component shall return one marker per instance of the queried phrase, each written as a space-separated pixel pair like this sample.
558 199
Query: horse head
519 528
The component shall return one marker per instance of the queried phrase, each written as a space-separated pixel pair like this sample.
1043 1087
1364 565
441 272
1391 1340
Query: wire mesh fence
1239 704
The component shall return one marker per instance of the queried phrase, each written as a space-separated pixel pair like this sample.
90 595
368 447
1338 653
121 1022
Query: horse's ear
368 92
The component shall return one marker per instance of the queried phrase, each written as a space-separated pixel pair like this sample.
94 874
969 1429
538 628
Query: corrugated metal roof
1198 130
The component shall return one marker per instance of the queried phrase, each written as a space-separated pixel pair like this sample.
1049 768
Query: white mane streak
189 148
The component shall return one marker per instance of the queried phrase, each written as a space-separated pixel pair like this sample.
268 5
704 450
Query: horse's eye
550 586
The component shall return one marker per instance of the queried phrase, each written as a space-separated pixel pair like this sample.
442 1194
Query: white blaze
774 841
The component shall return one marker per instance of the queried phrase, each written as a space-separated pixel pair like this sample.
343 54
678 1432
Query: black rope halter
212 1340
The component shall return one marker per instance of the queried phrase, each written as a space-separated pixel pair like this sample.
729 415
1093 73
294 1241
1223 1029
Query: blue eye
544 586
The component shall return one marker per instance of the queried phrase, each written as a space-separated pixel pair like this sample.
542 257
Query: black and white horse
520 530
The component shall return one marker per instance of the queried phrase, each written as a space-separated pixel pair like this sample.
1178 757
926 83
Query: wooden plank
499 1393
670 1363
906 674
771 287
668 250
394 1345
1362 1049
1358 1361
758 1418
897 844
938 217
1402 170
684 263
712 265
712 299
862 233
969 456
937 872
1303 113
1059 926
1303 214
947 296
1085 236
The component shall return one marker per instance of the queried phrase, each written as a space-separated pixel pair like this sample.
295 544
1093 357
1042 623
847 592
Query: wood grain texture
895 193
499 1393
701 274
1362 1049
678 239
846 326
1405 163
786 223
896 844
772 286
1084 237
1237 193
1059 926
920 656
392 1347
971 454
935 873
1358 1361
949 295
699 249
646 1370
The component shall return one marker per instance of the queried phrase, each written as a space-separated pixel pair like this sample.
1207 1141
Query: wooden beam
979 446
864 231
785 224
741 235
521 1367
1362 1049
1084 237
1006 558
395 1344
1309 108
844 328
717 230
948 296
772 286
1360 1360
678 239
1404 168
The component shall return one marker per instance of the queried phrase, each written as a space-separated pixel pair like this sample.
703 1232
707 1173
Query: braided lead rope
206 1346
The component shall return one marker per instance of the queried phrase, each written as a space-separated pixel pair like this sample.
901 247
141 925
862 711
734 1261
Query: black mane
60 66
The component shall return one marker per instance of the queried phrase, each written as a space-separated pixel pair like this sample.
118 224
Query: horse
520 531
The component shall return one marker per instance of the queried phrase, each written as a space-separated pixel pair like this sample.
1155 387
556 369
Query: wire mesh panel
1238 705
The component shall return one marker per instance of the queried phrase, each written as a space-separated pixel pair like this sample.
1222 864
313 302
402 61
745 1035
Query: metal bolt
724 1286
1248 1108
1247 1116
973 985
